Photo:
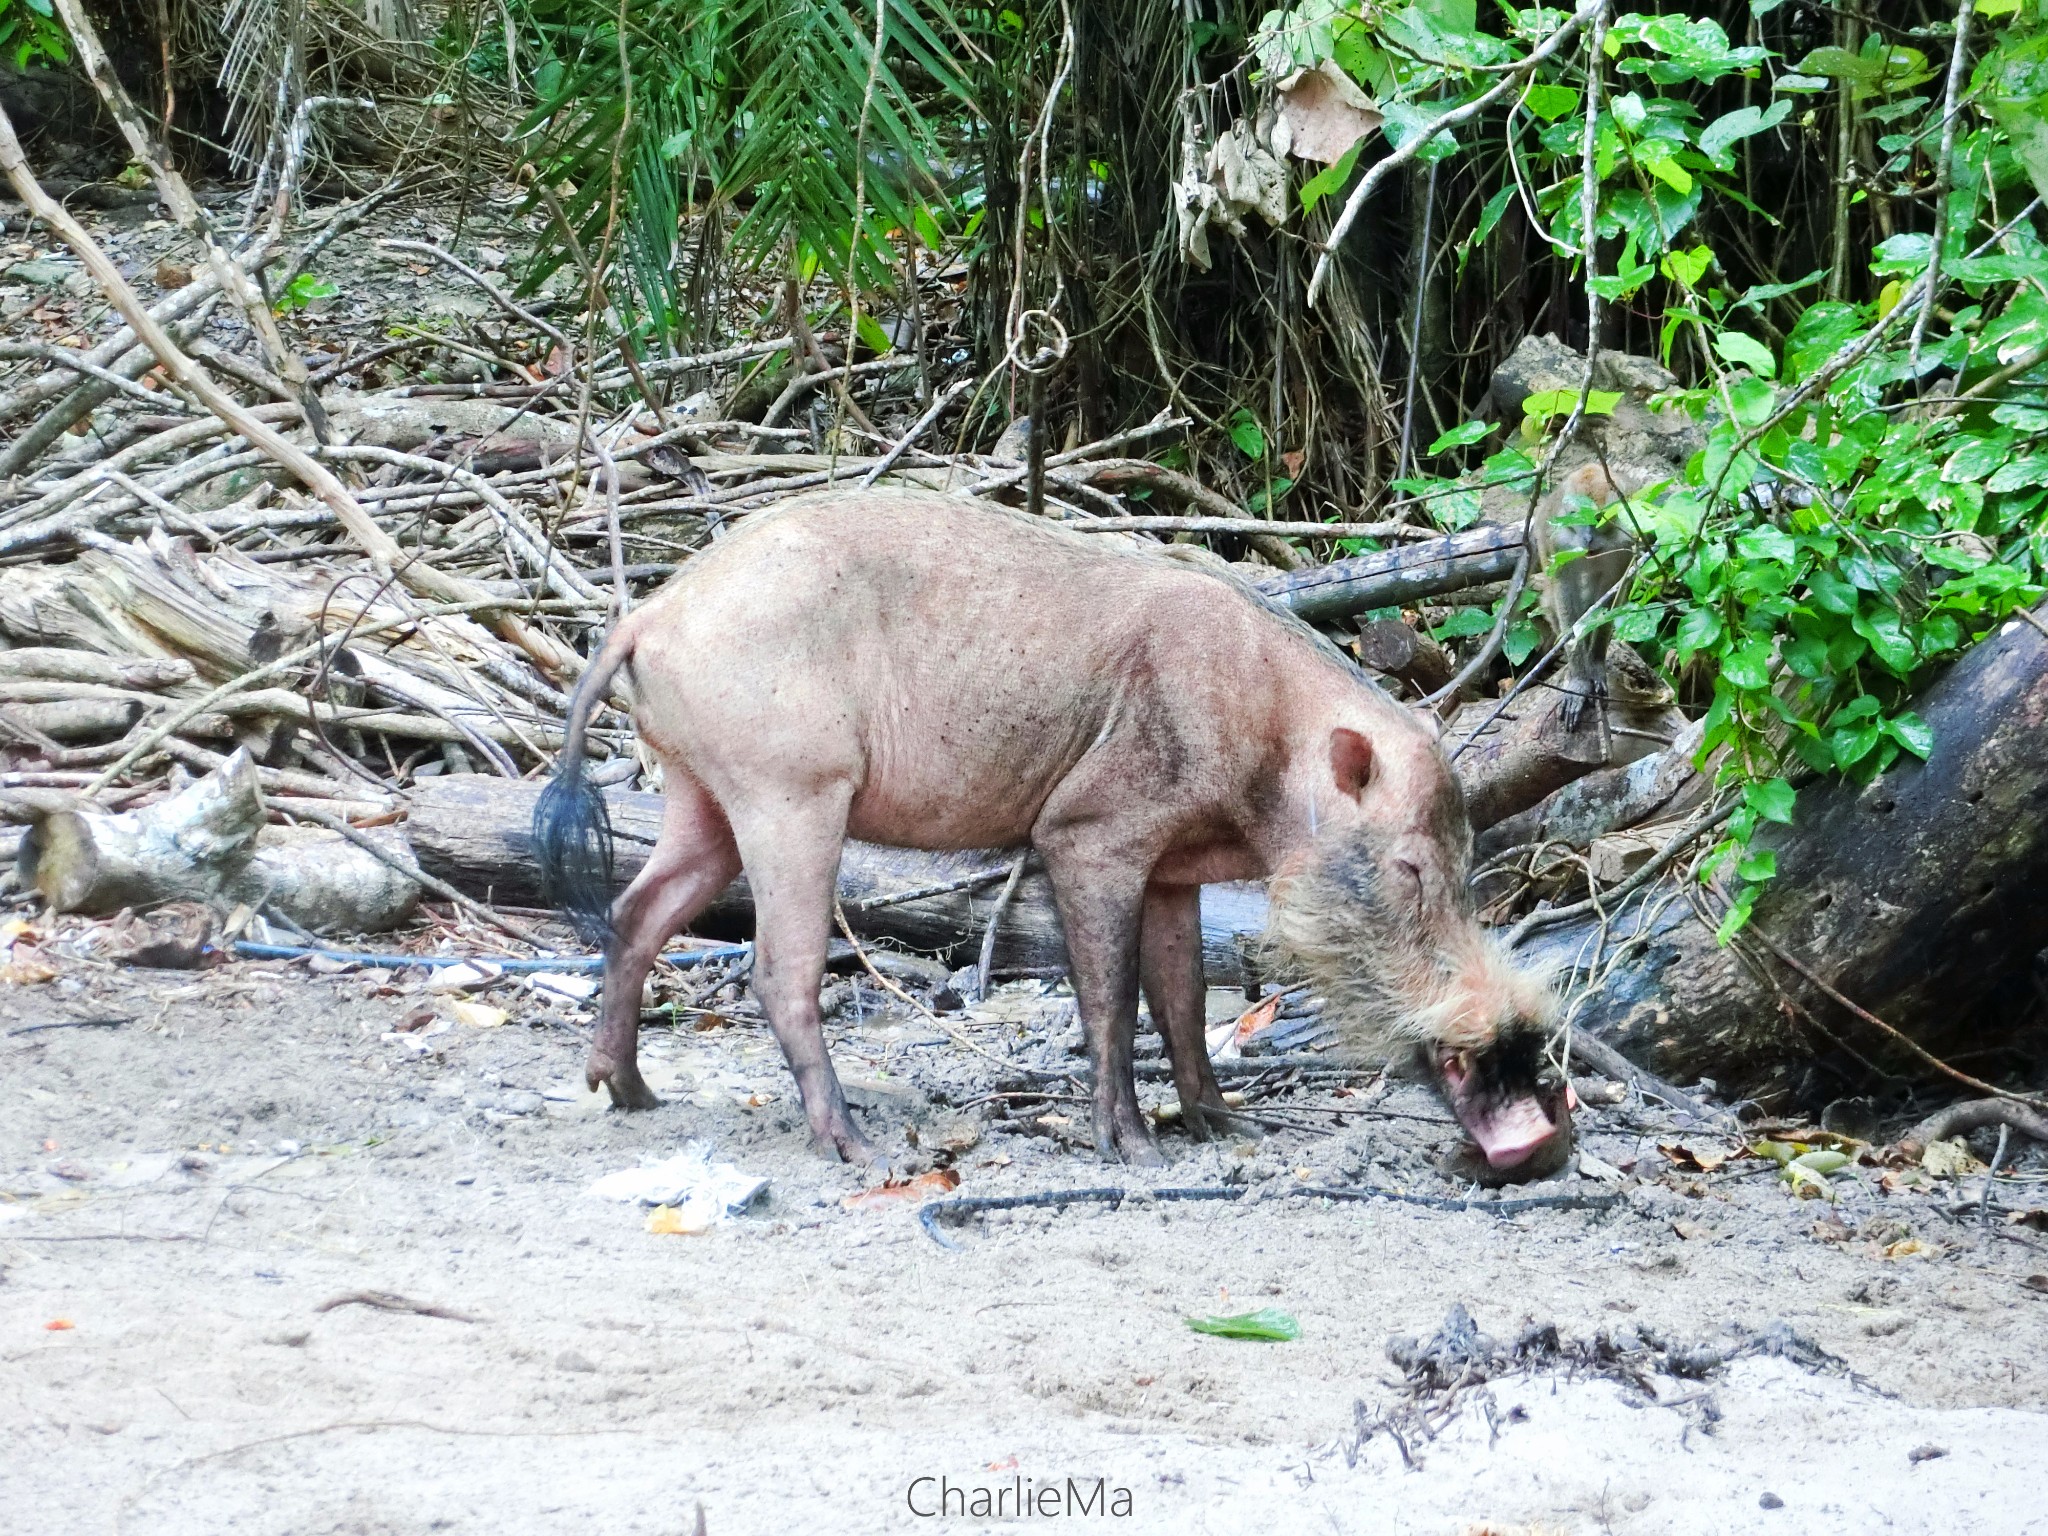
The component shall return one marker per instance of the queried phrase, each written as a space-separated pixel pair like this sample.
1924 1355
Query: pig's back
954 660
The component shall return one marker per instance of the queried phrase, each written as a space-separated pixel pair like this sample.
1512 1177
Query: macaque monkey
1569 590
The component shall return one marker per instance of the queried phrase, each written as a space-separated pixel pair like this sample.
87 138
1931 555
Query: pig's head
1376 912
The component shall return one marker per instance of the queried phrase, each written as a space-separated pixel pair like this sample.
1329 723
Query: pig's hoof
846 1143
1131 1144
1215 1122
628 1088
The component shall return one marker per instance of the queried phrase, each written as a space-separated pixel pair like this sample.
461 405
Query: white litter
705 1192
577 989
463 976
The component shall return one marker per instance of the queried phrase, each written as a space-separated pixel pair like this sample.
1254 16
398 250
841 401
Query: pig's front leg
1101 906
1175 991
792 862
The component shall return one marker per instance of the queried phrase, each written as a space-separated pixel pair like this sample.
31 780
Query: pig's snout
1519 1120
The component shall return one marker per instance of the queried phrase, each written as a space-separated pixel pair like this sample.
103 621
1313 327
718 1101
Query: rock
572 1360
889 1099
40 273
521 1101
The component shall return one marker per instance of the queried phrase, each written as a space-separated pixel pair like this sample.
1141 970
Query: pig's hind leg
693 860
1175 991
792 861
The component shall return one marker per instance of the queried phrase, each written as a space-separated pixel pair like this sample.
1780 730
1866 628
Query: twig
1642 877
107 1023
1242 526
917 427
1756 932
418 876
958 1037
1414 144
391 1301
995 922
191 709
1959 58
382 550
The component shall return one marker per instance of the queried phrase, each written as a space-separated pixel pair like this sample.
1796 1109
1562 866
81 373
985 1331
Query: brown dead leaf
2038 1220
926 1186
1832 1229
1695 1159
1950 1159
1911 1248
26 967
174 937
1322 113
1256 1018
170 275
1691 1231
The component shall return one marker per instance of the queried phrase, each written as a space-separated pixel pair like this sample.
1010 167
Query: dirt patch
189 1189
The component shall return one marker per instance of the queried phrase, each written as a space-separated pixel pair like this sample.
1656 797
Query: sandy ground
188 1189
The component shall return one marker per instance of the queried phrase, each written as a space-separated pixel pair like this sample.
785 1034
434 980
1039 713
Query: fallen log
1389 578
209 843
1922 897
474 832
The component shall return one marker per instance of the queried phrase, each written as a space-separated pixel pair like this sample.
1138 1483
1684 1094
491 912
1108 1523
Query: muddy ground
189 1192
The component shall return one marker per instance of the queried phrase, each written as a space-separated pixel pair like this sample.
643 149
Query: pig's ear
1350 761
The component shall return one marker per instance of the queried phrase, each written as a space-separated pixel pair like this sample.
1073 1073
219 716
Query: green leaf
1749 666
1268 1323
1851 743
1771 799
1738 915
1745 351
1887 636
878 340
1753 400
1463 622
1331 178
1249 436
1550 102
1767 543
1911 732
1831 593
1762 864
1460 436
1723 132
1520 642
1546 404
1698 630
1686 268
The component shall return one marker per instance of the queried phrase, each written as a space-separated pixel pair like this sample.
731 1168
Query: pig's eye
1410 874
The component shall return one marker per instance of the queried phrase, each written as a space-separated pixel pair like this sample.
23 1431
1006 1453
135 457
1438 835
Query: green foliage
1835 543
752 106
31 33
304 290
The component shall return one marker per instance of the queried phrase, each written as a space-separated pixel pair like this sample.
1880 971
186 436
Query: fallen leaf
476 1015
1007 1464
59 1325
675 1221
1689 1230
1710 1160
1268 1323
892 1191
1832 1229
170 275
2038 1220
1950 1159
1910 1248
